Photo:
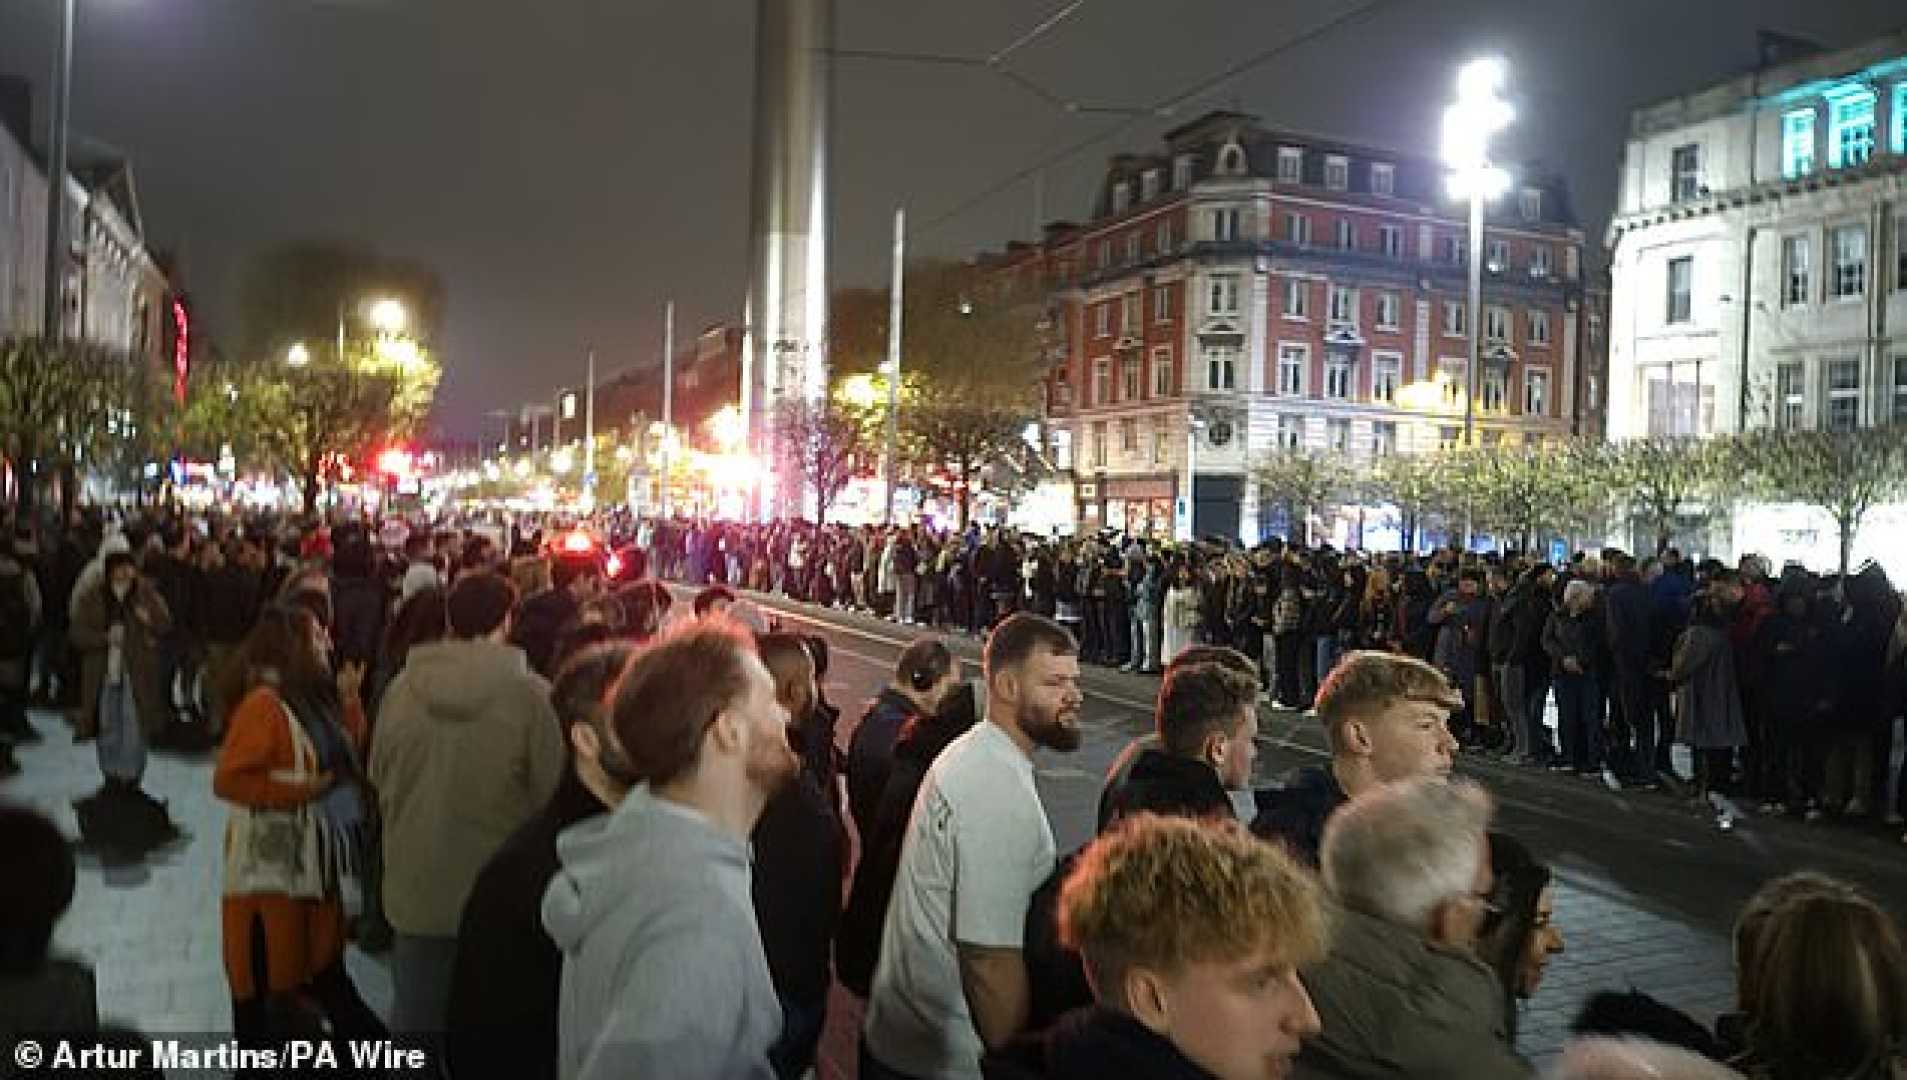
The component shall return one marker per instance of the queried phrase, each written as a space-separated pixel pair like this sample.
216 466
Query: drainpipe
1747 323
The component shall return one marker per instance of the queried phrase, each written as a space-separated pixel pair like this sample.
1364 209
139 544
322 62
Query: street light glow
298 355
388 315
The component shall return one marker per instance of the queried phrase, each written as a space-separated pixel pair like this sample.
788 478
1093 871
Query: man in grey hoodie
663 968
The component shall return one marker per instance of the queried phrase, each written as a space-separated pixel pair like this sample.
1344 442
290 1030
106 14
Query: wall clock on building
1220 432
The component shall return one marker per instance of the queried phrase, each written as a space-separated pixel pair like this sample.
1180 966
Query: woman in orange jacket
284 955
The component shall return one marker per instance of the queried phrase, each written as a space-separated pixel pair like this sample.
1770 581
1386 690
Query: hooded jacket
1395 1005
663 968
467 749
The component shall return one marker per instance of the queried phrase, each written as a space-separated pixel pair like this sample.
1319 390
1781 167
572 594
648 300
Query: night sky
567 165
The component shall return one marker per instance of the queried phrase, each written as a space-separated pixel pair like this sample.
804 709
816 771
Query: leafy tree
61 405
824 444
1418 485
1664 478
1305 483
958 434
1844 473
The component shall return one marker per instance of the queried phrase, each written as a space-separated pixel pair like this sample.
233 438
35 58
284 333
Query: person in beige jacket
466 748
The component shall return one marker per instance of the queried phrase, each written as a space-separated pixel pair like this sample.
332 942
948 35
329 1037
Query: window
1383 178
1387 371
1454 250
1536 392
1383 438
1298 229
1791 395
1181 172
1453 376
1595 329
1129 315
1851 129
1221 367
1850 261
1128 435
1291 432
1102 319
1161 445
1899 411
1843 404
1337 436
1454 323
1290 164
1165 244
1337 377
1496 323
1297 299
1681 401
1231 160
1681 280
1499 259
1685 172
1135 246
1149 184
1390 241
1539 327
1899 141
1161 304
1900 253
1292 360
1102 381
1797 143
1099 444
1490 392
1162 372
1529 203
1225 225
1797 270
1540 265
1387 311
1449 438
1133 379
1224 296
1105 254
1121 197
1062 390
1337 173
1343 305
1346 236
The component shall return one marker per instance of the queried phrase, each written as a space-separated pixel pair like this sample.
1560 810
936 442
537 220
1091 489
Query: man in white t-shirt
951 982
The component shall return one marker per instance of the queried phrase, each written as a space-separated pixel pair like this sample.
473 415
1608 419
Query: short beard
1047 731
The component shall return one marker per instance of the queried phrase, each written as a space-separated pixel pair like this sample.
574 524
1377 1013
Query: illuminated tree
1665 478
1843 473
1305 483
824 444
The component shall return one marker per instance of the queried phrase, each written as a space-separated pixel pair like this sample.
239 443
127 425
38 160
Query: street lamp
1468 124
388 315
298 355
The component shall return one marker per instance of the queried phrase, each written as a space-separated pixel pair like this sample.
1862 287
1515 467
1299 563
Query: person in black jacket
1386 718
799 852
1630 613
1207 723
575 579
508 973
924 674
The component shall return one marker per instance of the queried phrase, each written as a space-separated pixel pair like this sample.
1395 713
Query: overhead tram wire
1165 108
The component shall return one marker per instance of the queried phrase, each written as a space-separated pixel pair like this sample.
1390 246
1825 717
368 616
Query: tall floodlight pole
894 309
589 432
54 328
784 357
1468 125
668 397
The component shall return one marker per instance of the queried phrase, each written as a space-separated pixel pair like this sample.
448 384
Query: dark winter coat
1629 617
1090 1044
1577 636
1295 814
508 974
799 851
871 756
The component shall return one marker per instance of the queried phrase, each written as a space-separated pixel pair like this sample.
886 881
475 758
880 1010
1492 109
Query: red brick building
1258 289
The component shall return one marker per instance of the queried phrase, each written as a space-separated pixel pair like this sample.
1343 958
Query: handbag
278 851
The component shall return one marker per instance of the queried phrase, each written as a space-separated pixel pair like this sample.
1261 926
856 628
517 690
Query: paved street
1648 889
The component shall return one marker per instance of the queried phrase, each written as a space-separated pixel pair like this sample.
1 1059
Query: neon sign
181 351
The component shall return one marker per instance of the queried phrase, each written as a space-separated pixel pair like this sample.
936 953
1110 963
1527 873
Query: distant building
1270 289
1760 250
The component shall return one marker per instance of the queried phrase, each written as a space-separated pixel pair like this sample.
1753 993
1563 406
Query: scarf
343 825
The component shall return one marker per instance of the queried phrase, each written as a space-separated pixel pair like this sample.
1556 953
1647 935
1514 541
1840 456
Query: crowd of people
601 833
1785 688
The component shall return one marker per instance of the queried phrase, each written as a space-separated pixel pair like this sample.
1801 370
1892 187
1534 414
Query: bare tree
825 443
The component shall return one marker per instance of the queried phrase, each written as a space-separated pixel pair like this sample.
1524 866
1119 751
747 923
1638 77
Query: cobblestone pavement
1647 888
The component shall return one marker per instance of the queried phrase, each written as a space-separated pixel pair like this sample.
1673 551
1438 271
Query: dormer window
1231 160
1121 197
1149 185
1181 172
1337 172
1290 164
1383 178
1530 203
